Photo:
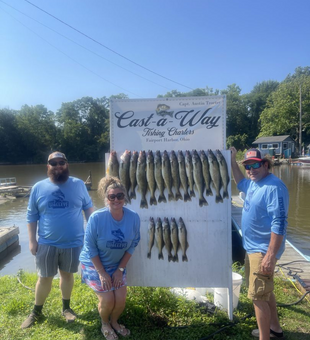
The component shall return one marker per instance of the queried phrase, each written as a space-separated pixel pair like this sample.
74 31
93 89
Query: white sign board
195 123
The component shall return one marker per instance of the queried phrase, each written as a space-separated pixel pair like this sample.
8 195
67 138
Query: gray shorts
49 259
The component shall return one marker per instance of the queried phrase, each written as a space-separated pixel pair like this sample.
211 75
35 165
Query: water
296 178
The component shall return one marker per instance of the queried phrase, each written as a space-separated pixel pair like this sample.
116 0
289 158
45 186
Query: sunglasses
256 165
54 163
120 196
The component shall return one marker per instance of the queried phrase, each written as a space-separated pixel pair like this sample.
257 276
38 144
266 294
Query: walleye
206 172
166 172
151 232
224 172
159 238
189 172
150 176
183 239
175 175
183 177
124 170
159 177
174 239
133 174
215 175
198 179
113 165
141 178
167 239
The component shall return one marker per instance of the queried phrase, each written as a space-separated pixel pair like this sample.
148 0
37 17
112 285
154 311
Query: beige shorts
260 286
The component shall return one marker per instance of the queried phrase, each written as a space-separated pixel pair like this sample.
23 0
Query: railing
7 181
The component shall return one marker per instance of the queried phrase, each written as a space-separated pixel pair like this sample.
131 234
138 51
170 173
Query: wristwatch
121 269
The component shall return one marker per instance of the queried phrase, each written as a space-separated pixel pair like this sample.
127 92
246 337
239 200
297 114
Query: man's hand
33 246
268 265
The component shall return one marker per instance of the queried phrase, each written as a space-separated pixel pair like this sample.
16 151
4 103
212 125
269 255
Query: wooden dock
8 240
293 264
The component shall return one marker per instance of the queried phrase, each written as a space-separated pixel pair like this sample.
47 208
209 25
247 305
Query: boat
8 240
88 182
305 160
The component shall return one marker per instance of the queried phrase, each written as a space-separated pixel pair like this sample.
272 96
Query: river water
297 179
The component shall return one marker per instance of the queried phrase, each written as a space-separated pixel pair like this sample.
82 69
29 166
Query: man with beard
56 203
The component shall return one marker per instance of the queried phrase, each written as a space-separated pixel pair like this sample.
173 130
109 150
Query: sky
53 52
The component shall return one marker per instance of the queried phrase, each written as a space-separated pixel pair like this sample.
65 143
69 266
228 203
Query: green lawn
151 313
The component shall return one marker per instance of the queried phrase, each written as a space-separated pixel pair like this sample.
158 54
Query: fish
159 238
183 176
206 172
167 239
174 239
113 165
133 174
150 176
198 178
182 233
159 177
162 110
141 178
151 232
175 175
166 172
215 175
224 172
189 172
124 170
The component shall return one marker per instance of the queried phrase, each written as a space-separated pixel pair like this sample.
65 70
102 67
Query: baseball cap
57 154
252 155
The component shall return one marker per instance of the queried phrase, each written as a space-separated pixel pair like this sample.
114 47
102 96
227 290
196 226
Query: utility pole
300 149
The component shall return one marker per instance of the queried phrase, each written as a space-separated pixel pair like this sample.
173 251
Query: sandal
109 334
123 331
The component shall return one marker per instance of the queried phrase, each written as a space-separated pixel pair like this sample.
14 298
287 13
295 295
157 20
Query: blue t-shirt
110 239
58 208
265 210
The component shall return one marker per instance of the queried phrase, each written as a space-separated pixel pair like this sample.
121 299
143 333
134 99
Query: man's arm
88 212
269 261
32 232
238 175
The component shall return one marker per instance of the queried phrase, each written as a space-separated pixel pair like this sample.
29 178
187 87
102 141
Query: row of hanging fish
193 172
170 235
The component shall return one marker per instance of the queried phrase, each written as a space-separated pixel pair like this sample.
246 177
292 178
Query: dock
9 240
293 264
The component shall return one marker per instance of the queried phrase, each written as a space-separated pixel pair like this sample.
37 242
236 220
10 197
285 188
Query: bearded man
55 214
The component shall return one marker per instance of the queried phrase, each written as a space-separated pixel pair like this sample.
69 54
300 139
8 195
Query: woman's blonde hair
108 183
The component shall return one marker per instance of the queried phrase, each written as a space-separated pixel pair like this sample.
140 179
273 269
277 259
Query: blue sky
195 43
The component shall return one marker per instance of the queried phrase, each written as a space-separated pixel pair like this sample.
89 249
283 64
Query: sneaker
69 315
273 334
32 319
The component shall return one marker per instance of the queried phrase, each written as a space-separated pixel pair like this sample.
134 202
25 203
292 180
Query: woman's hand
105 280
117 278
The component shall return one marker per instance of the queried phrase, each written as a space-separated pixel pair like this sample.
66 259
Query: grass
151 313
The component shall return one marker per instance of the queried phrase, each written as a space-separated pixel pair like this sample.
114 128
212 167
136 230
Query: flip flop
123 331
109 334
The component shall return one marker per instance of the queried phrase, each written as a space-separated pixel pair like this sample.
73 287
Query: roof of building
273 139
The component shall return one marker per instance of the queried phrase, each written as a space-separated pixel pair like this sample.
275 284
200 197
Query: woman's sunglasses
120 196
54 163
256 165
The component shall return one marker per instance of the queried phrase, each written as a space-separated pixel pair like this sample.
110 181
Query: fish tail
187 197
143 203
153 201
192 193
209 192
162 198
184 258
160 256
171 197
170 257
218 198
202 201
149 255
176 258
133 194
225 194
178 196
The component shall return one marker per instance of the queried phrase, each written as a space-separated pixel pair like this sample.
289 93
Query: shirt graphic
59 201
118 242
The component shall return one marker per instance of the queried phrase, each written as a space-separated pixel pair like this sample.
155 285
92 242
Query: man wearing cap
56 203
264 222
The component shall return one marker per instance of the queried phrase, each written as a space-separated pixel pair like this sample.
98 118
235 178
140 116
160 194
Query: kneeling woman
111 236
